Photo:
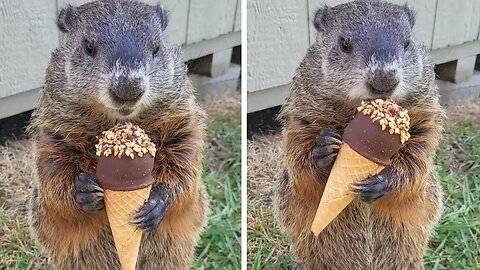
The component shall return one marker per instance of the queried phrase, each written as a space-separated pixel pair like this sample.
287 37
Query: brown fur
391 233
65 127
73 238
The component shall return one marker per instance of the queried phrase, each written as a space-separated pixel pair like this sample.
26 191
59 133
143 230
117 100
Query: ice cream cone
367 148
121 206
124 170
347 169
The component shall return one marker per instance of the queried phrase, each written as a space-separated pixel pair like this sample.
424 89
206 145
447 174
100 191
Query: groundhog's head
116 57
367 51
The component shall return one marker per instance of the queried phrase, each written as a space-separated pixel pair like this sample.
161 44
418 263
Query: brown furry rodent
114 66
364 50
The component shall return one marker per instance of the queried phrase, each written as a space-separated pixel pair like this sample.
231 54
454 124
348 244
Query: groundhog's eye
155 51
406 44
345 45
89 48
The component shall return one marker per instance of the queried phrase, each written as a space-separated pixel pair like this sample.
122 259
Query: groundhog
364 50
114 66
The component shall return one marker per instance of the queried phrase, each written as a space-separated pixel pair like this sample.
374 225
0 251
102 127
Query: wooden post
457 71
213 65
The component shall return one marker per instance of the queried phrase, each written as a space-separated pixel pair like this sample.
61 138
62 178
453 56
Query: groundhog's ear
323 18
410 15
66 18
162 13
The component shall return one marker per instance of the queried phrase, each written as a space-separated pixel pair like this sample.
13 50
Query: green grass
456 240
219 247
18 250
455 243
270 252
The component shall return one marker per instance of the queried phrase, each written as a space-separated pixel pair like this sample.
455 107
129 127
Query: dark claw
326 137
322 152
88 194
327 146
151 213
151 224
373 188
87 183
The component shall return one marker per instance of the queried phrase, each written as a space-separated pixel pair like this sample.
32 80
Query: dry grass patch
228 103
463 111
16 173
267 247
263 165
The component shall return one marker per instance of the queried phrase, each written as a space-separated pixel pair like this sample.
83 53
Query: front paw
373 188
152 212
327 145
88 194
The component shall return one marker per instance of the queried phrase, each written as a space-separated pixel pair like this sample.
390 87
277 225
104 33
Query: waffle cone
121 206
348 168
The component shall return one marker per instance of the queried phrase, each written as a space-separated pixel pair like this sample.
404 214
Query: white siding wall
277 37
457 22
26 40
210 18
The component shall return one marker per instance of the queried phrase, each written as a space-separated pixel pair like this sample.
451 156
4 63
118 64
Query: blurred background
209 32
279 33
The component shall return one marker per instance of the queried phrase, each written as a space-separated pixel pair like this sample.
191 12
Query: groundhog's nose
383 81
127 89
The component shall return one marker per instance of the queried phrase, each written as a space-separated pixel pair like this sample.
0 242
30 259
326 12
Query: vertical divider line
235 16
57 11
434 24
244 65
478 28
188 22
309 23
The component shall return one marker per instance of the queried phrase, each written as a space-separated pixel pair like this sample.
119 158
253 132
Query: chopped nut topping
125 139
389 115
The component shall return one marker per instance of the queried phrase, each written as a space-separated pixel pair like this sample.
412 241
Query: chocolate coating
125 173
369 140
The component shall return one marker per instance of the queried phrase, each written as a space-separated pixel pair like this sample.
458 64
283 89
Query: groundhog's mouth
125 111
378 93
375 95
